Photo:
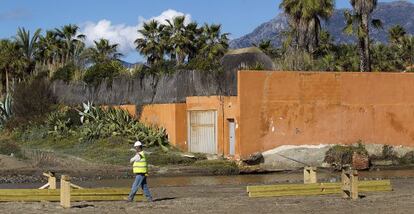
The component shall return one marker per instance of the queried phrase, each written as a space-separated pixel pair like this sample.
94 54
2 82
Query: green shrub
408 158
204 64
219 167
32 99
65 73
388 153
342 155
102 71
256 67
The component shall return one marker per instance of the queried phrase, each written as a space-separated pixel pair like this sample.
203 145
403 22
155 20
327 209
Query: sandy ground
233 199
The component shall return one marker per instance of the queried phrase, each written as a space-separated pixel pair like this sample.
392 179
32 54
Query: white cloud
122 34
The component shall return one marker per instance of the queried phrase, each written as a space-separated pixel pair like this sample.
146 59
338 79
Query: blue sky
117 18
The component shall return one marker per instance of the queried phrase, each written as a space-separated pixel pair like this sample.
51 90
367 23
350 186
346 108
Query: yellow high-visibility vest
140 166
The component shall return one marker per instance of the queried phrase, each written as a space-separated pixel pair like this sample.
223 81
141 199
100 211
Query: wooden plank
290 187
376 189
106 198
338 189
29 191
282 187
97 194
314 192
293 193
314 189
30 198
103 191
73 198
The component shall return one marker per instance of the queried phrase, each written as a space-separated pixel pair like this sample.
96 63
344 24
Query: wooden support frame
349 186
51 181
315 189
309 175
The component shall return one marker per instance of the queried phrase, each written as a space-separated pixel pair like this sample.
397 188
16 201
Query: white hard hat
137 143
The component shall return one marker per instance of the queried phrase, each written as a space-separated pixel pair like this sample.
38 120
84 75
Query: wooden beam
75 186
314 189
99 194
95 191
56 198
361 184
311 192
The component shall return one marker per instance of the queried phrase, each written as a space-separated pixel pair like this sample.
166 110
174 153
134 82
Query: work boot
128 200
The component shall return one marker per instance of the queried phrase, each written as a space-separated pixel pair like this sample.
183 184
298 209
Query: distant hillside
391 13
129 65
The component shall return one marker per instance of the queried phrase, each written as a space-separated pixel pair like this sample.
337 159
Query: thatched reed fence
172 88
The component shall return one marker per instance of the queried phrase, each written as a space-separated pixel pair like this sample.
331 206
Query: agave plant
101 122
153 136
5 110
87 108
58 122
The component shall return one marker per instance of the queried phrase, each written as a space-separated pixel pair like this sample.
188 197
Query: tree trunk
302 32
365 41
312 36
180 58
361 51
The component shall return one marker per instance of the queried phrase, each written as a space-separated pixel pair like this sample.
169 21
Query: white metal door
203 131
232 135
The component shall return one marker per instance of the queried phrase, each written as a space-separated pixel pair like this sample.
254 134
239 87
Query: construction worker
140 169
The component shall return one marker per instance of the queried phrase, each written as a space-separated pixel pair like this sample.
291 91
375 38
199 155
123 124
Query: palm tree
405 50
28 46
265 46
358 24
305 18
193 34
396 34
179 39
10 61
151 44
72 40
317 10
49 49
104 51
216 43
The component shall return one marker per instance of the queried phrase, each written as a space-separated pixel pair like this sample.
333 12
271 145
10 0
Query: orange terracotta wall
226 108
297 108
170 116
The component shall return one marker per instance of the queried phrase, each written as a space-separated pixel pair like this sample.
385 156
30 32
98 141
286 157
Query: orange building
292 108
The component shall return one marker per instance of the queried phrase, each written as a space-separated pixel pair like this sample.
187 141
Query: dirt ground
234 199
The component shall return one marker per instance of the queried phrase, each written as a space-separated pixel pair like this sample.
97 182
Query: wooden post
349 183
65 191
309 175
51 181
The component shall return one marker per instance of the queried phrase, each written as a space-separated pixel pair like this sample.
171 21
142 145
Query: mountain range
390 13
